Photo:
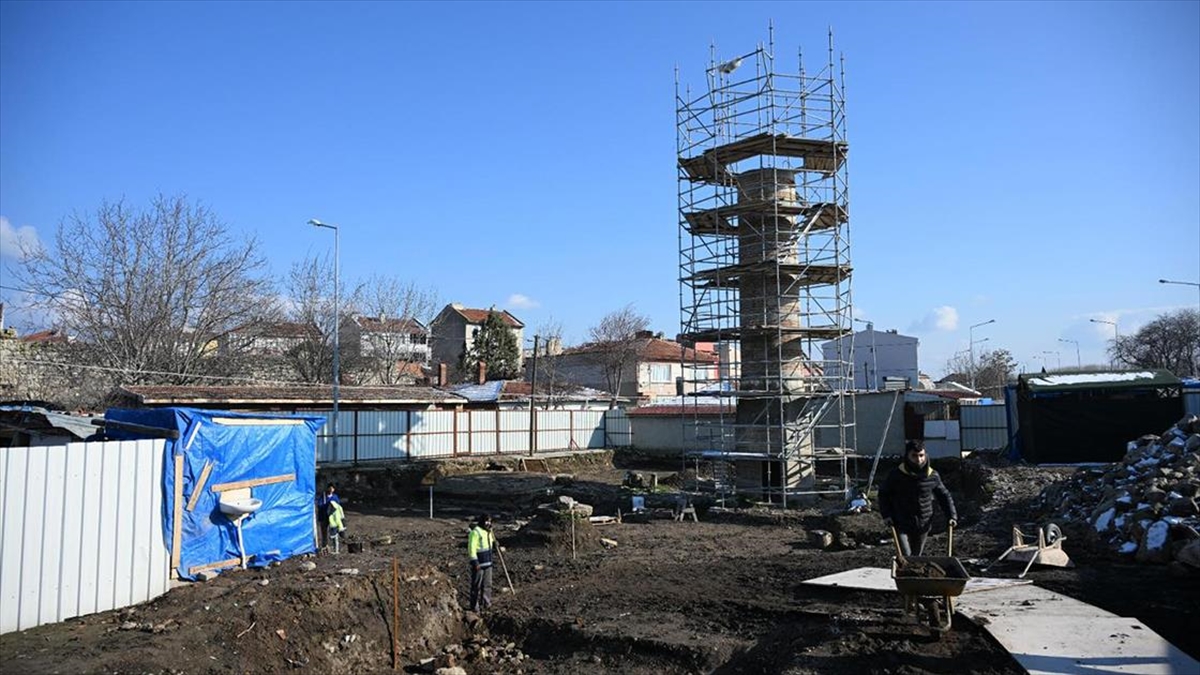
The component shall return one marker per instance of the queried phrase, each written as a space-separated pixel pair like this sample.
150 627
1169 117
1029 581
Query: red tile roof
481 315
678 410
53 335
654 349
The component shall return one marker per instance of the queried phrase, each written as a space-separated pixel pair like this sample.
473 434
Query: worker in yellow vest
480 544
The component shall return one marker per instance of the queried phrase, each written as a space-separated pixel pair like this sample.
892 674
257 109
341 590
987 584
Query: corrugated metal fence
983 427
81 530
368 435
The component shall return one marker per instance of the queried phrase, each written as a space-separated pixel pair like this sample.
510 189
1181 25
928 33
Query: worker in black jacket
906 499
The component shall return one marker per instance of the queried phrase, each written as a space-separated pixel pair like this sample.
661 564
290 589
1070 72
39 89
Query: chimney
482 375
442 378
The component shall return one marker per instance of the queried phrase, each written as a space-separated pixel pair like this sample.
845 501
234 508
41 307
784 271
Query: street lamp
1181 283
1076 342
1057 355
337 346
971 333
1116 330
874 354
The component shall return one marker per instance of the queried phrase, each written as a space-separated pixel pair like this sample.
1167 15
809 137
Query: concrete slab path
1047 632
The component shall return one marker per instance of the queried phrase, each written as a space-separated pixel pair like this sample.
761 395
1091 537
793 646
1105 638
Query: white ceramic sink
240 507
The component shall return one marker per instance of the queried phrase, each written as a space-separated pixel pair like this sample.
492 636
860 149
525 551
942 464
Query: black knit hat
484 519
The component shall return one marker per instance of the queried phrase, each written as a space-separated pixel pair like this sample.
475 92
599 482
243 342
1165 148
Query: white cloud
944 318
518 301
15 239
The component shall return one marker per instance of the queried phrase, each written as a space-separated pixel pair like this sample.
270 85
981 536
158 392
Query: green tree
496 345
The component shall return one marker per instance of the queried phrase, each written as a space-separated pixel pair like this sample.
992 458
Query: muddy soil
720 596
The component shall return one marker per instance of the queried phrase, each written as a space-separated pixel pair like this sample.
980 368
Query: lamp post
337 346
1078 364
874 356
532 393
1182 283
1057 355
971 333
1116 335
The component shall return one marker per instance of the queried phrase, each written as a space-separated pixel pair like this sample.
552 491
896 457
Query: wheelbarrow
1047 551
925 592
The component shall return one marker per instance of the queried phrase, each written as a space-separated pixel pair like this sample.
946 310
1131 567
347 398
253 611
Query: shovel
500 552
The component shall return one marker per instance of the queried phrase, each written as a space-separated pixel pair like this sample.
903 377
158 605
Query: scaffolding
764 256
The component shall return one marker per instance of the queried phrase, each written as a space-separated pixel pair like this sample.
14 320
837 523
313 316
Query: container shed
1090 416
210 455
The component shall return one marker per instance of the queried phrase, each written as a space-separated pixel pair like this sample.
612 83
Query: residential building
274 338
452 331
403 339
659 368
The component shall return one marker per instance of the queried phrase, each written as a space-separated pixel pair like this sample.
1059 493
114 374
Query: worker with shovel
480 543
906 499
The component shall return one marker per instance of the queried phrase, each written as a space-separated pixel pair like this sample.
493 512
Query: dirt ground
720 596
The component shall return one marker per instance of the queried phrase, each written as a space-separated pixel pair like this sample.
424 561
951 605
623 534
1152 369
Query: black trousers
481 588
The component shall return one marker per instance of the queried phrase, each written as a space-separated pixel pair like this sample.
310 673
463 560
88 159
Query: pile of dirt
921 569
311 614
1145 505
552 530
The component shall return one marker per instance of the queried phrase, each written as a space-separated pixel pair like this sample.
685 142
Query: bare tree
1171 342
549 376
993 370
149 293
310 309
395 330
615 345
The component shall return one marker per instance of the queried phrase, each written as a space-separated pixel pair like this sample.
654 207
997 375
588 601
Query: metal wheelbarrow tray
935 594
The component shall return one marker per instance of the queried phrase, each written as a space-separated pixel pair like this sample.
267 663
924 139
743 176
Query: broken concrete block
1190 554
822 539
1154 547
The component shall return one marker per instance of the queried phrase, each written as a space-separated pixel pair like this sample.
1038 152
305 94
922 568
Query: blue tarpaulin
276 454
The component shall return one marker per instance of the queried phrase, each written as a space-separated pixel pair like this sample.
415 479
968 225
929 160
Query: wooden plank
254 482
232 562
199 489
177 517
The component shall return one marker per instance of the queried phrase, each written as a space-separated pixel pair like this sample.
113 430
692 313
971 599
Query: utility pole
532 393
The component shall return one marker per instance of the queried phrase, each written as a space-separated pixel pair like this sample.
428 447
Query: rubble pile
1144 506
479 651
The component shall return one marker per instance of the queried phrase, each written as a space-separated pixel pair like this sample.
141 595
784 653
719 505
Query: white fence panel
553 430
514 431
619 430
589 428
81 530
432 434
381 434
483 439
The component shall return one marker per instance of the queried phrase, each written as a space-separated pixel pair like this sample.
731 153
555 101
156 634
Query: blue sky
1038 164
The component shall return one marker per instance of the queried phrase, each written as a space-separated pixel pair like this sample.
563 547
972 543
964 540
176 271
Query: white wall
80 531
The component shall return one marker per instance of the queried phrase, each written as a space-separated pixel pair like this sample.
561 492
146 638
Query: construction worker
480 543
906 499
329 508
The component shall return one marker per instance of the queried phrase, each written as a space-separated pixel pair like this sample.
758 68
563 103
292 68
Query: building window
660 373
